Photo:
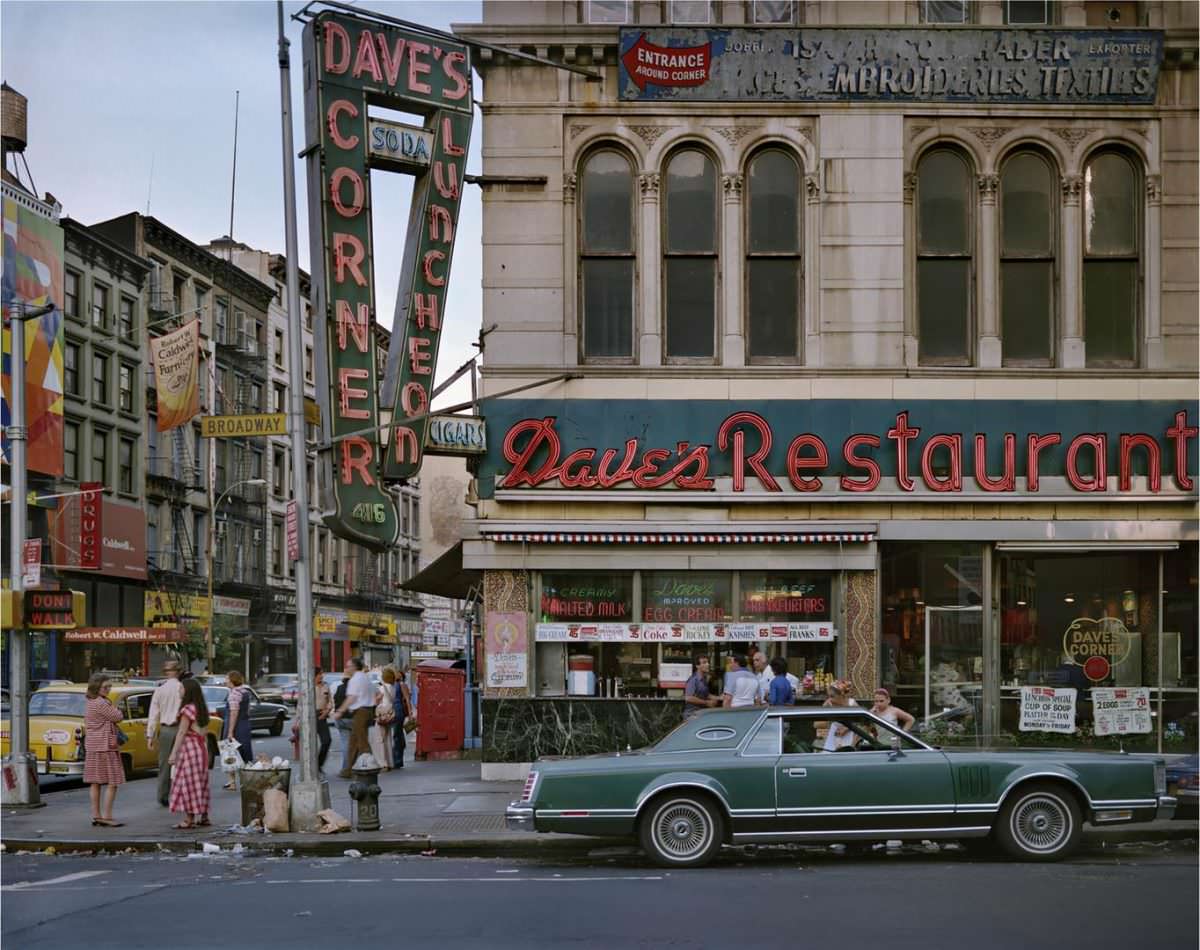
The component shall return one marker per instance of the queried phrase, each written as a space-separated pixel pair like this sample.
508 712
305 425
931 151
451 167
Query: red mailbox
439 709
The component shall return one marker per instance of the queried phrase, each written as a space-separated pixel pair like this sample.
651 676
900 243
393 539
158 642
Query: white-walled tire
681 831
1040 822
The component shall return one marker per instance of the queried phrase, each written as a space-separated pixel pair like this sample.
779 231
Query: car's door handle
795 773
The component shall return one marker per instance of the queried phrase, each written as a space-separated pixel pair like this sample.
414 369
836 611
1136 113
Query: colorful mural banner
176 357
33 276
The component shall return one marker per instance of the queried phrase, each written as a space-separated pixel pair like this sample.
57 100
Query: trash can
257 781
440 710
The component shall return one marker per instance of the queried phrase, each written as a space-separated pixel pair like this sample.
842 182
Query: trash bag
230 759
332 822
275 810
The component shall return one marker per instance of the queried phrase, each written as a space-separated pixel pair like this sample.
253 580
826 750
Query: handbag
384 714
121 737
410 725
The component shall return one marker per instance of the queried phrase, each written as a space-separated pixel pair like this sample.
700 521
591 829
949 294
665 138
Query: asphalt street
1128 896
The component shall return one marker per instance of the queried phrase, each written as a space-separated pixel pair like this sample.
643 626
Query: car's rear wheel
682 831
1039 822
277 726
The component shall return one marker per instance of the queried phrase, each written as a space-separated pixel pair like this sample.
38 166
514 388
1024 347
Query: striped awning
636 537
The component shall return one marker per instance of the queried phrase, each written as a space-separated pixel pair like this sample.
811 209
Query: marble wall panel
521 730
862 663
506 591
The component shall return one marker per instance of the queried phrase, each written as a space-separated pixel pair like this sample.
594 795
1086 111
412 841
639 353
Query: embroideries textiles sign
349 61
892 65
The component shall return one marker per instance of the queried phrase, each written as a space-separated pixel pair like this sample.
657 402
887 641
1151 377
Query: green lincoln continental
760 775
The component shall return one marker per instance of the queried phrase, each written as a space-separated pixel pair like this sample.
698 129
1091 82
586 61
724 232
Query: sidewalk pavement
436 806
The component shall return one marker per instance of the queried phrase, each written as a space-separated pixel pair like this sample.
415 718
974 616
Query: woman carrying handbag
102 762
385 716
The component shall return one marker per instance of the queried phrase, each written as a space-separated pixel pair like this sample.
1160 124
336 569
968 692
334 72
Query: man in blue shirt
780 692
695 691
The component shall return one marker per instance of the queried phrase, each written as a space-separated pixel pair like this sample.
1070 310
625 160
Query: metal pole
20 784
311 793
211 465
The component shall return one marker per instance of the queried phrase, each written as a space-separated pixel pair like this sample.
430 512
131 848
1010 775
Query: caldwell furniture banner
176 358
1036 67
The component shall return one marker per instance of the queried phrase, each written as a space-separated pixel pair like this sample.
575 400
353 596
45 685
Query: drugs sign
349 61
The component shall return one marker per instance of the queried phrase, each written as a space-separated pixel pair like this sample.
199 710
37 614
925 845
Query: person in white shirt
741 686
762 672
359 702
162 722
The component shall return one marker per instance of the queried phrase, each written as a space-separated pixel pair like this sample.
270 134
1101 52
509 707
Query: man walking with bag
163 723
360 703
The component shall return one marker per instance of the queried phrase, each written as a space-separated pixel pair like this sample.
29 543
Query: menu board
1047 709
1121 711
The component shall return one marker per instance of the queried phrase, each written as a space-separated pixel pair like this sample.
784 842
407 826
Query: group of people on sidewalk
375 719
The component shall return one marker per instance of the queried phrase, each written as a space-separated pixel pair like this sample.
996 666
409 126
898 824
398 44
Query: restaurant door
954 669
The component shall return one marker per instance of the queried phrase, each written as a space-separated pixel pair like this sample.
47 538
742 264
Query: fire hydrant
365 791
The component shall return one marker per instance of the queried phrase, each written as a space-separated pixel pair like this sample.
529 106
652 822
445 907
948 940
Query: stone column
988 292
648 345
911 337
506 592
732 350
1071 347
571 308
862 648
1152 256
811 252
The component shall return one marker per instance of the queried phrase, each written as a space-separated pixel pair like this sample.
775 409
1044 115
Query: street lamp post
20 784
212 524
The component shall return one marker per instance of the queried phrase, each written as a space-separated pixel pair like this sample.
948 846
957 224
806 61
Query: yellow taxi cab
56 728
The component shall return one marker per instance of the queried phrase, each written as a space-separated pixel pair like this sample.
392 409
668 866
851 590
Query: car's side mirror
897 752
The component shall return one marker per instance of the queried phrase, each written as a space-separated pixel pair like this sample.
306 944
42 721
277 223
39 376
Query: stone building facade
880 322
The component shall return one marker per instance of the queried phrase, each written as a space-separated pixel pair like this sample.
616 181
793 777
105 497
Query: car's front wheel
277 725
1040 822
682 831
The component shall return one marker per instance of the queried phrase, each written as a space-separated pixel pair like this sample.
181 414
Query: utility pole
310 794
20 783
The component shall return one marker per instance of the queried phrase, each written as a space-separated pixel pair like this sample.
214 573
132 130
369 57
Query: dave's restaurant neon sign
921 461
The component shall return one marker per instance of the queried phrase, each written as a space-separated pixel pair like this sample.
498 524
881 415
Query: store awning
446 577
680 537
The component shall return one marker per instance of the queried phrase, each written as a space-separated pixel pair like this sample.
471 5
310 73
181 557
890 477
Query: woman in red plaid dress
189 756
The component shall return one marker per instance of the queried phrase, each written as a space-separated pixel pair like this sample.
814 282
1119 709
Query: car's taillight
1160 778
530 785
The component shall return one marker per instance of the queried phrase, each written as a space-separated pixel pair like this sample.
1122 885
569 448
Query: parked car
757 776
271 686
213 679
263 715
1183 782
56 728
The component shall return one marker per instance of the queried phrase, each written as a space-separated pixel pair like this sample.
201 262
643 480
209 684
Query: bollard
365 791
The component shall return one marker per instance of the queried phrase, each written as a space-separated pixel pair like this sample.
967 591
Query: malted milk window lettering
593 598
607 261
945 257
1028 212
686 597
1111 259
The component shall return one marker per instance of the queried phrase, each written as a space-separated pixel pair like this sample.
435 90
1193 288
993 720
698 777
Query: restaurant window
774 272
125 395
1111 259
126 451
931 646
773 11
691 259
71 451
127 320
944 11
606 255
71 382
71 293
691 11
945 261
100 392
608 11
1090 620
1028 212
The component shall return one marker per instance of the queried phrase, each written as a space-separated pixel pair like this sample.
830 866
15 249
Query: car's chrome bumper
519 817
1166 808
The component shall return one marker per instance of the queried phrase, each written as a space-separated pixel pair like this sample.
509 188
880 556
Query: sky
133 103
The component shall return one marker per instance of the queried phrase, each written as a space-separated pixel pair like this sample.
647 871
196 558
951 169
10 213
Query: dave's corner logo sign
1097 645
351 61
649 64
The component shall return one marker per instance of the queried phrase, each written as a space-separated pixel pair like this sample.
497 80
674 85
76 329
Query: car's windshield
57 704
216 695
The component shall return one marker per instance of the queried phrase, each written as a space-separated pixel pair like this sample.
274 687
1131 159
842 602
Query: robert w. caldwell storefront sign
1034 67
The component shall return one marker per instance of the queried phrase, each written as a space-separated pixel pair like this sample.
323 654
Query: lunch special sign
845 449
890 65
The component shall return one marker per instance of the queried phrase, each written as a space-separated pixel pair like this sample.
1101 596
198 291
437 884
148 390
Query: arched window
945 261
774 274
1027 259
606 255
690 255
1111 259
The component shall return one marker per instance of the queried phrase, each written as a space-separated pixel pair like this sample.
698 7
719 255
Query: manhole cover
469 823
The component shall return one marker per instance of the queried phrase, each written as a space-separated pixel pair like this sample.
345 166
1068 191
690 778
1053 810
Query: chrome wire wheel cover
682 830
1041 823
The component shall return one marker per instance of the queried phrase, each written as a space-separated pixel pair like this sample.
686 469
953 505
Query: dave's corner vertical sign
347 61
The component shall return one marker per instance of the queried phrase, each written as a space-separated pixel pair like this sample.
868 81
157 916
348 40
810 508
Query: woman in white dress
380 735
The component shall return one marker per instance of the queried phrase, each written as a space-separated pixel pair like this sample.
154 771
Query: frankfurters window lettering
686 597
579 596
785 597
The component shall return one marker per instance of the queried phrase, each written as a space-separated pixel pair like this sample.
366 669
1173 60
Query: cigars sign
350 62
746 453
